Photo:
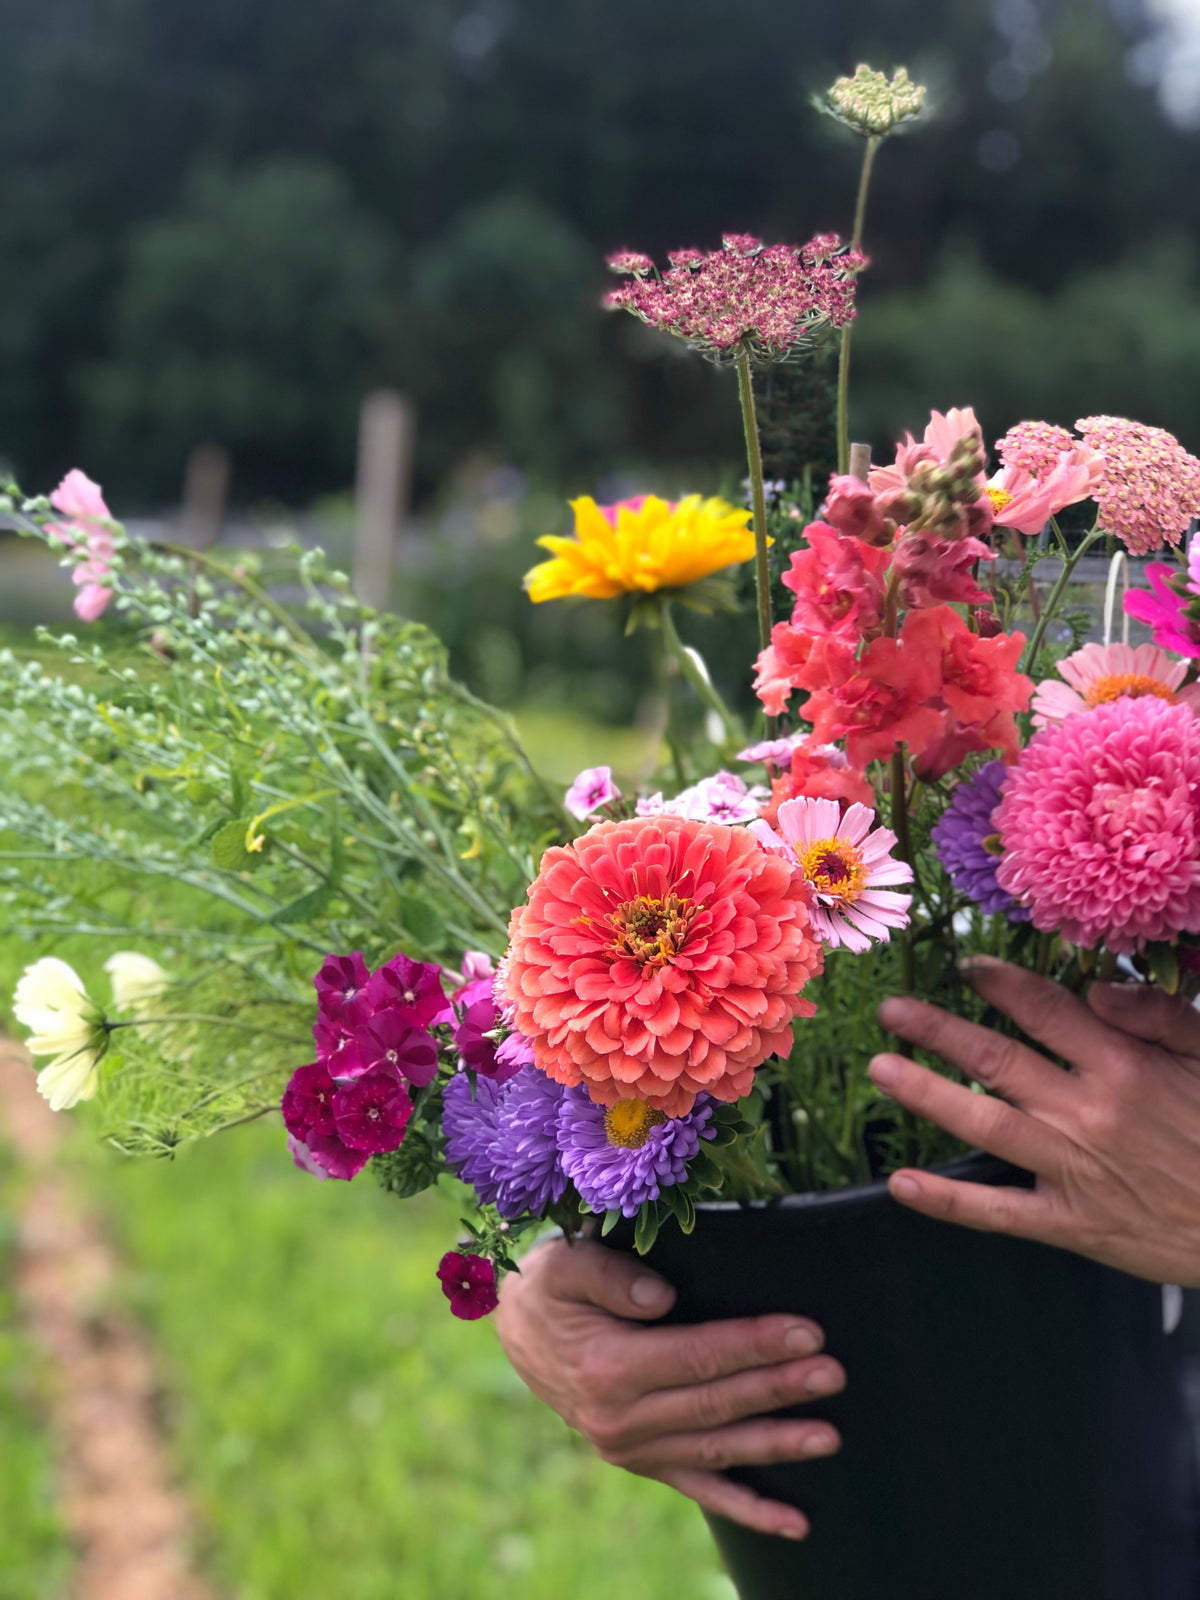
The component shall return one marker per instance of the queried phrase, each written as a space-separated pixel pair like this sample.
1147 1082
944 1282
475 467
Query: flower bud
872 104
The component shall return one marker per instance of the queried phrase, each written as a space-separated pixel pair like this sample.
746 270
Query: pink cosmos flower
469 1283
86 528
1099 673
1021 501
1100 824
1172 615
845 865
593 788
838 582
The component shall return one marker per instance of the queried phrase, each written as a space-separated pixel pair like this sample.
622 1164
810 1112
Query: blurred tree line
226 221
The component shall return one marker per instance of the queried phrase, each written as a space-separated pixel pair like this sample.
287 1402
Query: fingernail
792 1531
884 1070
801 1341
820 1444
978 963
904 1188
1121 995
823 1381
648 1292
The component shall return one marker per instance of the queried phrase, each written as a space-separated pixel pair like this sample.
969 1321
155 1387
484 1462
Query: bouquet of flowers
680 1005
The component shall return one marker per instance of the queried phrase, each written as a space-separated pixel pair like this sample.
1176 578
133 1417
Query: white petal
135 978
48 985
68 1080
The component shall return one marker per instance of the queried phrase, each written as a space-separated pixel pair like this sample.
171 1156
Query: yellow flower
654 545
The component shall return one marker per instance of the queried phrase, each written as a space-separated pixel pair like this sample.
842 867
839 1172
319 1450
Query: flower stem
843 390
1052 602
695 674
762 573
904 851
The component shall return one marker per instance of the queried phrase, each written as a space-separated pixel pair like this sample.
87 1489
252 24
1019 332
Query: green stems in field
843 389
691 668
1051 607
762 573
904 851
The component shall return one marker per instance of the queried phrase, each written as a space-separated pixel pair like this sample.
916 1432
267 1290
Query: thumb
1148 1012
610 1279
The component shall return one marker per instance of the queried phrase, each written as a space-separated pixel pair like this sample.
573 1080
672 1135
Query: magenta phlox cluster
1100 825
766 299
469 1283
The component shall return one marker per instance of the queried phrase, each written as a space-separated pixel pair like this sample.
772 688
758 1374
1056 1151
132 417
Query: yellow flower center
628 1123
993 844
1134 685
649 930
999 498
835 869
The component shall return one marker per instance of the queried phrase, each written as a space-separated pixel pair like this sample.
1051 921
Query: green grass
341 1433
34 1557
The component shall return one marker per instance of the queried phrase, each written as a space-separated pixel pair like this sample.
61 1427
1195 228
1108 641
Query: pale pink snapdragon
87 528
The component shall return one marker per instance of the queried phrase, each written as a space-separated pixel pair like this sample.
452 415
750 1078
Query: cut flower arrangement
605 1004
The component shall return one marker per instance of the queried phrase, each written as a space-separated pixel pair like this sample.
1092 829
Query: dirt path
130 1524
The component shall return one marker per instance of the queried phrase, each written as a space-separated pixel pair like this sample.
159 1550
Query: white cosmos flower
136 980
51 1002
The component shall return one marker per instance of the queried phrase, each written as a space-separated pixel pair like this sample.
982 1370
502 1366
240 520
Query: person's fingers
1003 1065
724 1498
977 1119
1023 1212
746 1444
1148 1012
671 1358
610 1279
704 1406
1041 1008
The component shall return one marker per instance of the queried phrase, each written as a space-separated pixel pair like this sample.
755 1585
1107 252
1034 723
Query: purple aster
504 1140
390 1040
478 1016
342 989
962 836
619 1156
412 986
308 1102
514 1052
372 1112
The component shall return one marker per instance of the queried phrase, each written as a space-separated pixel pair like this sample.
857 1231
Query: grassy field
342 1434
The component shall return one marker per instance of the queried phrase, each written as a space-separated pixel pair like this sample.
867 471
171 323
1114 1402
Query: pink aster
1102 672
1100 825
845 865
469 1283
593 788
1150 488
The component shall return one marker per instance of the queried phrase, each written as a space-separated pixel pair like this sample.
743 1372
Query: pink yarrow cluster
88 527
765 298
1150 489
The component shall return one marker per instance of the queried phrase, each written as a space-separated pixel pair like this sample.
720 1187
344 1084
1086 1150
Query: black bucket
1013 1425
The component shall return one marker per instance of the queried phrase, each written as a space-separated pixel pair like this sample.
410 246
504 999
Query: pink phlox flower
337 1048
845 865
307 1104
650 805
1099 673
478 1018
777 753
372 1112
341 986
413 987
475 964
593 788
1100 825
391 1041
725 797
1166 611
1150 488
469 1283
838 582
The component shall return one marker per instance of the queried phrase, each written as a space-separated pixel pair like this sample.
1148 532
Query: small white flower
136 980
51 1002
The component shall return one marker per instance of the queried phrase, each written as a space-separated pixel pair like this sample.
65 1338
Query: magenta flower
307 1104
304 1158
414 987
593 788
341 986
478 1016
1165 610
838 582
389 1040
1100 824
469 1283
335 1158
372 1112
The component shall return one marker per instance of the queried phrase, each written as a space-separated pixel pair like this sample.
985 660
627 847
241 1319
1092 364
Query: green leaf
423 920
685 1211
308 906
611 1218
645 1229
229 846
704 1172
415 1166
1163 961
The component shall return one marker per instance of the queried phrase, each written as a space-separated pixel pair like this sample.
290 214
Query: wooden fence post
205 491
382 487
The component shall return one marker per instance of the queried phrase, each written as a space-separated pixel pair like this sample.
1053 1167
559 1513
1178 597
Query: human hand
679 1404
1114 1142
